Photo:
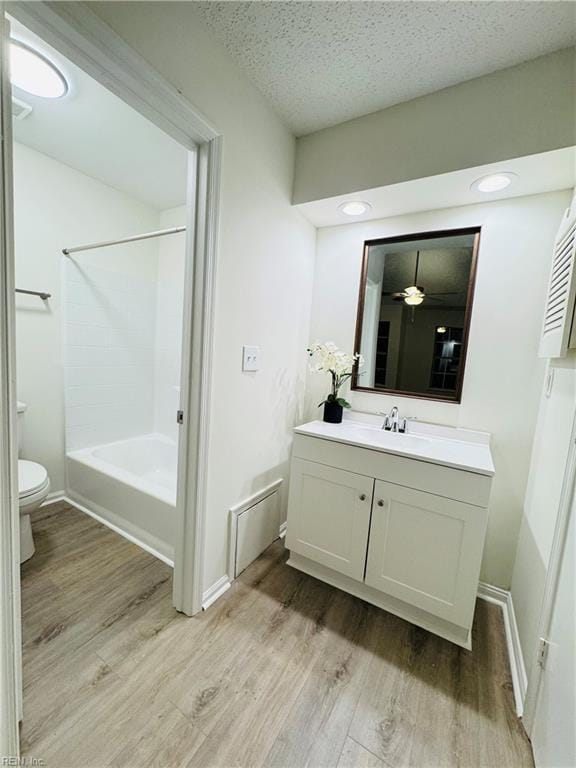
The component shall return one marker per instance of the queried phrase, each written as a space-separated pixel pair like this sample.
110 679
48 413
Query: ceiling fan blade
394 294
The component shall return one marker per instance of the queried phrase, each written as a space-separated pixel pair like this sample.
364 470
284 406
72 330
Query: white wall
503 373
548 464
55 207
169 306
519 111
265 261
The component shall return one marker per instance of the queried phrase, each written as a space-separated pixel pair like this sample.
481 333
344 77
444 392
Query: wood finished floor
282 671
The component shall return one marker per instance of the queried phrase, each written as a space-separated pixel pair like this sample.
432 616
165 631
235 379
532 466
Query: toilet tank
21 408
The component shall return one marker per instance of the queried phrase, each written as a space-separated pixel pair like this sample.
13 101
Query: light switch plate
250 358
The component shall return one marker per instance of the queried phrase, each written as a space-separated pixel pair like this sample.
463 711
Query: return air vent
254 525
20 109
559 313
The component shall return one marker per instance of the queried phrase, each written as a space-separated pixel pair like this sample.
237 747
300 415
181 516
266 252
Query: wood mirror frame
456 397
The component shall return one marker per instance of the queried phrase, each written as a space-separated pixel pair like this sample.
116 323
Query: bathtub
131 486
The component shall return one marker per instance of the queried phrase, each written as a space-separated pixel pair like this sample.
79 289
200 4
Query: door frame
10 623
565 509
80 35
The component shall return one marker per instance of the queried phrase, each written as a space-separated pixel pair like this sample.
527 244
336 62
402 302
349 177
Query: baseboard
519 675
215 591
492 594
282 532
503 598
55 496
133 539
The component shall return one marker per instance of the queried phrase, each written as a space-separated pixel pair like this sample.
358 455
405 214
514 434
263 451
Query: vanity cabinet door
426 550
329 516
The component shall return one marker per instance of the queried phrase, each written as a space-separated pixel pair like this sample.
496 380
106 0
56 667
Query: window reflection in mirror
414 312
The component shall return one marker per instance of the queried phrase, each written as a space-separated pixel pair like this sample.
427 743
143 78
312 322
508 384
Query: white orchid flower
327 358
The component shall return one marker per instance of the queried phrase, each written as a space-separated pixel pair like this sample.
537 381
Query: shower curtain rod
132 239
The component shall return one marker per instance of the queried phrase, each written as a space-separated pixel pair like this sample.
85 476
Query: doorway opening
97 306
100 223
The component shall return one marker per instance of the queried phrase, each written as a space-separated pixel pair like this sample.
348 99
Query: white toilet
33 488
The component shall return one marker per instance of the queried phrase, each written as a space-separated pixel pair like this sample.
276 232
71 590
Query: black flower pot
333 413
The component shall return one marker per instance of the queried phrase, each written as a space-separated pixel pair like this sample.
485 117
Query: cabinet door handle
362 497
380 502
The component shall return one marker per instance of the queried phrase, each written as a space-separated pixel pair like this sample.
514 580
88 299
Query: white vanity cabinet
426 550
401 532
330 516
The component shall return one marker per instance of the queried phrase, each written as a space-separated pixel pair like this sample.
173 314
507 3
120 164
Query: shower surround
122 346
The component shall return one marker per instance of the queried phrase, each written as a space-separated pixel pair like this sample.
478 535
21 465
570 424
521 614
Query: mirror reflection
413 314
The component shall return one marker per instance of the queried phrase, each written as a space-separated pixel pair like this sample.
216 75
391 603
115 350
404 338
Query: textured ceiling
324 62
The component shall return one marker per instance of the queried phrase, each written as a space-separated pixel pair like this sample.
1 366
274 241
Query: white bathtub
131 485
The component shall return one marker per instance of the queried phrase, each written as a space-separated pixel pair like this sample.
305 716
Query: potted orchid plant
327 358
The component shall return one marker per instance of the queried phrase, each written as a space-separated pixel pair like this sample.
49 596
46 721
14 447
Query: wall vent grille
559 311
20 109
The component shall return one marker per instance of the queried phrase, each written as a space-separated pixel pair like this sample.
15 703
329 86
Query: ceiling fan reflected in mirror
414 294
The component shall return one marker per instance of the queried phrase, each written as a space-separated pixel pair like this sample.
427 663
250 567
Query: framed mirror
414 312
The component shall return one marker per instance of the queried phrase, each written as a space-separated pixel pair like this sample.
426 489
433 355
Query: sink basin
458 448
380 437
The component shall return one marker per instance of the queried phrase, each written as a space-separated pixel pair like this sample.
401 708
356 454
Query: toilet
33 488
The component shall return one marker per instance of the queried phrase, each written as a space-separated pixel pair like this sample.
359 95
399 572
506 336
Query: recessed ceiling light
354 207
34 73
494 182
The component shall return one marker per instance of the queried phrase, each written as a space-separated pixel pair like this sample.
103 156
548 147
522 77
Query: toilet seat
32 479
33 488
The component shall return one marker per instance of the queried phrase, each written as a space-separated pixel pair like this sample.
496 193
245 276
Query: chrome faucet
393 422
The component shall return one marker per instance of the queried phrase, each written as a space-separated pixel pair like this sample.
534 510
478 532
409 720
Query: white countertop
448 446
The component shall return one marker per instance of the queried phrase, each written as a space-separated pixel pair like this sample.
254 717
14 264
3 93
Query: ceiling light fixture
34 73
354 207
495 182
414 296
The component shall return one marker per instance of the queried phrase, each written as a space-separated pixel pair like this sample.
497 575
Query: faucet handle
386 425
404 423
